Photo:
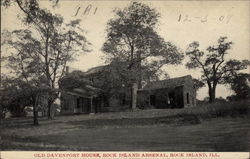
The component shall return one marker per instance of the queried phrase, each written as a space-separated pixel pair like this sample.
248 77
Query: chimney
67 70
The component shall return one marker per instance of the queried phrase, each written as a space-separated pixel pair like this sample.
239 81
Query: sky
181 23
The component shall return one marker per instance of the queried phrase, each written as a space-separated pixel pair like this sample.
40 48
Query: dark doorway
86 105
152 100
78 103
171 97
83 105
179 101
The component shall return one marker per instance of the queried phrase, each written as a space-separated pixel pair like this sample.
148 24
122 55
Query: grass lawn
219 135
147 130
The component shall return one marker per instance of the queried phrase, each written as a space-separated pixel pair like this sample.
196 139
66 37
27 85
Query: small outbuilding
170 93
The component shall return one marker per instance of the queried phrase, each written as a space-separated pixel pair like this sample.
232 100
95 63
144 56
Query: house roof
98 69
95 70
168 83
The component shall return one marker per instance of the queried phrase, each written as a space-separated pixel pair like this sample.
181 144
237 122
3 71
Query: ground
147 130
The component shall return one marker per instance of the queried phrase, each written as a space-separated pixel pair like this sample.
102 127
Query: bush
220 109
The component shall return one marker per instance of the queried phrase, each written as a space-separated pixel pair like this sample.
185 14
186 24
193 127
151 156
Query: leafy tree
13 99
24 88
111 80
132 40
20 92
198 84
231 98
75 79
213 65
238 83
48 47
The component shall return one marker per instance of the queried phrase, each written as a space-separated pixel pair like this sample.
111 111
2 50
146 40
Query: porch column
168 100
134 95
92 110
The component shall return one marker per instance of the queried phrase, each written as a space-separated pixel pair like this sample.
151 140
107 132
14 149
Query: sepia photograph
125 76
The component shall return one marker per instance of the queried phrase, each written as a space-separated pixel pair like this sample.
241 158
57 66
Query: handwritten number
77 11
95 10
221 18
179 18
87 10
203 19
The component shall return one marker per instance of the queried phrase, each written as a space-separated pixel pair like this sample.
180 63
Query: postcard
124 79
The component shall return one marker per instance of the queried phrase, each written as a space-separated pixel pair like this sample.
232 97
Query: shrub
220 109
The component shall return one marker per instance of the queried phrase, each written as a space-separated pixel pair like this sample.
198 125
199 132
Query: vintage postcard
124 79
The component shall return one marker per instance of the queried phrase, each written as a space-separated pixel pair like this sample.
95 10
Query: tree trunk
35 117
139 69
50 109
134 95
211 93
35 111
131 96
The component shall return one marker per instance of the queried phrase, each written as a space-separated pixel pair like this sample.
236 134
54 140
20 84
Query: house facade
77 102
170 93
91 99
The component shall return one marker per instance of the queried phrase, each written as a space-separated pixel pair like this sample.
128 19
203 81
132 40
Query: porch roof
87 92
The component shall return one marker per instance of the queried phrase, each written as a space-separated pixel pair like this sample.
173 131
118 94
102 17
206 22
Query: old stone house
170 93
92 99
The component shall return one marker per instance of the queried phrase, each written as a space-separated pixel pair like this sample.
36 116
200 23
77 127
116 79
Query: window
187 98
